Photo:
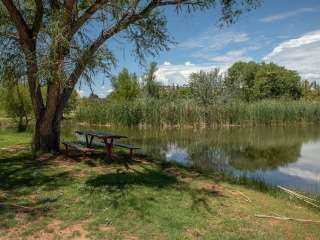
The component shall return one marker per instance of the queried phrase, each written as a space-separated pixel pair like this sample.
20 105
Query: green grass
186 112
98 199
11 137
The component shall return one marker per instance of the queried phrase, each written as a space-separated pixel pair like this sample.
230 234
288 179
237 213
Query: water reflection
287 156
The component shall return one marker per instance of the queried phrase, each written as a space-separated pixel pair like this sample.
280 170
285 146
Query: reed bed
185 112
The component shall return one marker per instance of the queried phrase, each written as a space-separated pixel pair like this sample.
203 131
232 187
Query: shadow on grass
121 180
21 171
24 183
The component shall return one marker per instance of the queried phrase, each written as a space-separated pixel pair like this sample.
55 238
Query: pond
287 156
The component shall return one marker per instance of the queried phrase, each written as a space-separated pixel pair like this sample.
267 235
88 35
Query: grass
183 112
78 198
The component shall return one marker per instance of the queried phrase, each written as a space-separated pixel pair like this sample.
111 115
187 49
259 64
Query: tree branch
68 11
38 18
11 35
21 25
28 45
122 24
87 15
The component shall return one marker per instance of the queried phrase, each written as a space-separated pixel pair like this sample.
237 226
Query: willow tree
61 42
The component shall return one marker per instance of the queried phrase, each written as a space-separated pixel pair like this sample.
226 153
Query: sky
286 32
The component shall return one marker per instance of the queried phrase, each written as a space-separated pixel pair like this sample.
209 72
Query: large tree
255 81
59 42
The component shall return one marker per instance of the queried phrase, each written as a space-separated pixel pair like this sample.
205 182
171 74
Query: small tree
240 80
125 86
206 86
151 87
16 100
72 103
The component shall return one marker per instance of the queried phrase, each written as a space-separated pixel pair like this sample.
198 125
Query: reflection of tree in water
250 158
257 158
208 158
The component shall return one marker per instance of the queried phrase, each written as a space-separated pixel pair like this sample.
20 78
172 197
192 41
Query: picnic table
106 137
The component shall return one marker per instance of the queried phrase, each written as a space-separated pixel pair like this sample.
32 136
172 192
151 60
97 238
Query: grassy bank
55 197
187 112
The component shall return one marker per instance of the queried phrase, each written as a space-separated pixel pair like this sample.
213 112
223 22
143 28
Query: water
287 156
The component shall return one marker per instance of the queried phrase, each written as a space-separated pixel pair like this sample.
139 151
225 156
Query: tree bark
46 136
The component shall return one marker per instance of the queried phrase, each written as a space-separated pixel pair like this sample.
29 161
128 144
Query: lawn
59 197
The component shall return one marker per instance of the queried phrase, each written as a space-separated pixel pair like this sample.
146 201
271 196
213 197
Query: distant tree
240 80
72 103
151 87
93 96
206 86
310 90
15 99
273 81
125 86
251 81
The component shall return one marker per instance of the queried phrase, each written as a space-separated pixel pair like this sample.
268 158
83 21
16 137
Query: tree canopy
253 81
206 87
125 86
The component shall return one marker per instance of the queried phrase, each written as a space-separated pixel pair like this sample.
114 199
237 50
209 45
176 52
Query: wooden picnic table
106 137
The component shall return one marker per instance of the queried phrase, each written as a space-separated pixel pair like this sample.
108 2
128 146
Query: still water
287 156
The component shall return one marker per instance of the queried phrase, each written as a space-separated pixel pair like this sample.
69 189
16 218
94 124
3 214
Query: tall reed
182 112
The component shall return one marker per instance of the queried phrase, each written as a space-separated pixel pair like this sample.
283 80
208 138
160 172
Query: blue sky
286 32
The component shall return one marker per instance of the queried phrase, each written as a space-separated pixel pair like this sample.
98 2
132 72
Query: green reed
182 112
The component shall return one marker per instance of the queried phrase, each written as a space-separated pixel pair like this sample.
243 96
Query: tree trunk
46 136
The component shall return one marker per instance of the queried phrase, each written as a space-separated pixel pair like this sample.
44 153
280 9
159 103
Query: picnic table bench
127 146
78 147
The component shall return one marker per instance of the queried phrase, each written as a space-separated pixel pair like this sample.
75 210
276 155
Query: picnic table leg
87 142
131 153
110 150
90 143
109 147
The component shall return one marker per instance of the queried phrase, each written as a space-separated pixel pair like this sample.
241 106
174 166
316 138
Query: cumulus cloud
227 59
300 54
214 40
285 15
178 74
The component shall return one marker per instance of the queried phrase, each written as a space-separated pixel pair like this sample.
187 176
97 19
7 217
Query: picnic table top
100 134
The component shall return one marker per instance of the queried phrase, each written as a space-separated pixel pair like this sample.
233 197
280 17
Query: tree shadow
21 171
121 180
25 184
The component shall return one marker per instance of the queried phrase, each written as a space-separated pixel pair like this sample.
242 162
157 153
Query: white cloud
82 93
214 40
231 57
178 74
166 63
188 63
300 54
285 15
109 91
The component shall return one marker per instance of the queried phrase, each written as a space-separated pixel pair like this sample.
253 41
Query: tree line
243 81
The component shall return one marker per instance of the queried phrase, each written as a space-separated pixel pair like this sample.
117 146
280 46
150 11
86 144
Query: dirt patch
55 231
210 187
194 233
105 228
